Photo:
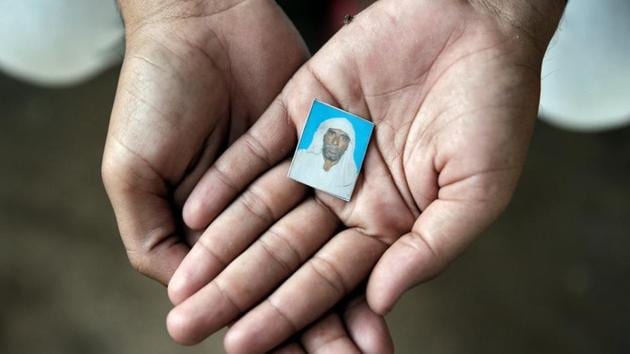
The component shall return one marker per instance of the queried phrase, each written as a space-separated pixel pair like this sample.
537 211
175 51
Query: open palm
196 75
453 95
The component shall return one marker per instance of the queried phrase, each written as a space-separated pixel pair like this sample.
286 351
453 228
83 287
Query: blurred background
551 276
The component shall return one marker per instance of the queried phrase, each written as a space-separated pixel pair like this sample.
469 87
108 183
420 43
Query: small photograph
331 150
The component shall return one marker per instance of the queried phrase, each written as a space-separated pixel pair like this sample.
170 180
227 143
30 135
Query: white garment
59 42
308 164
586 71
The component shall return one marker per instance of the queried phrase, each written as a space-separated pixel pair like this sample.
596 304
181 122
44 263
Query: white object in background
586 70
59 42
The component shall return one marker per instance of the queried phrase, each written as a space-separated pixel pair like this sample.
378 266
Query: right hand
196 75
351 328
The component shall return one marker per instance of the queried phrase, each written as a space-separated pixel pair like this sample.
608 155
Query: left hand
183 95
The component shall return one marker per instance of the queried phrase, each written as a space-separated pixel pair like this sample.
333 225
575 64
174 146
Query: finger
328 335
260 148
254 274
439 235
144 156
144 215
200 164
364 332
270 140
198 167
367 329
324 280
291 348
266 201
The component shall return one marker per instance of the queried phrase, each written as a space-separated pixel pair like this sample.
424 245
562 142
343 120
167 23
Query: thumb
144 213
437 237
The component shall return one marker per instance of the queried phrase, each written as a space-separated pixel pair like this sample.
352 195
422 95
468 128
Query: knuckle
228 291
256 147
109 171
258 205
284 315
279 235
278 255
329 274
139 262
428 256
120 172
419 243
224 174
204 244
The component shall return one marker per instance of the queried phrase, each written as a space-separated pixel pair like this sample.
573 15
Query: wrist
536 19
137 13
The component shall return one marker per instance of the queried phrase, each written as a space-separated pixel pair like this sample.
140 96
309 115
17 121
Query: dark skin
336 142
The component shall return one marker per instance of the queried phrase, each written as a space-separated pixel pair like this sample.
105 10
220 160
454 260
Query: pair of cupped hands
211 100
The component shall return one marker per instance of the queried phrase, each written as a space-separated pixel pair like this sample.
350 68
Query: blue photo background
321 111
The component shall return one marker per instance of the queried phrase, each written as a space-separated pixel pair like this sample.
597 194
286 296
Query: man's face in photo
335 144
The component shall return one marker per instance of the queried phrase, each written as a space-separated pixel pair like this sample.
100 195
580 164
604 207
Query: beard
332 152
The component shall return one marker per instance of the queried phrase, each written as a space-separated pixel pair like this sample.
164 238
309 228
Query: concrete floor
550 277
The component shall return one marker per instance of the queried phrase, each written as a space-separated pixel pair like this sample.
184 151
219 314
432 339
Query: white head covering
344 172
